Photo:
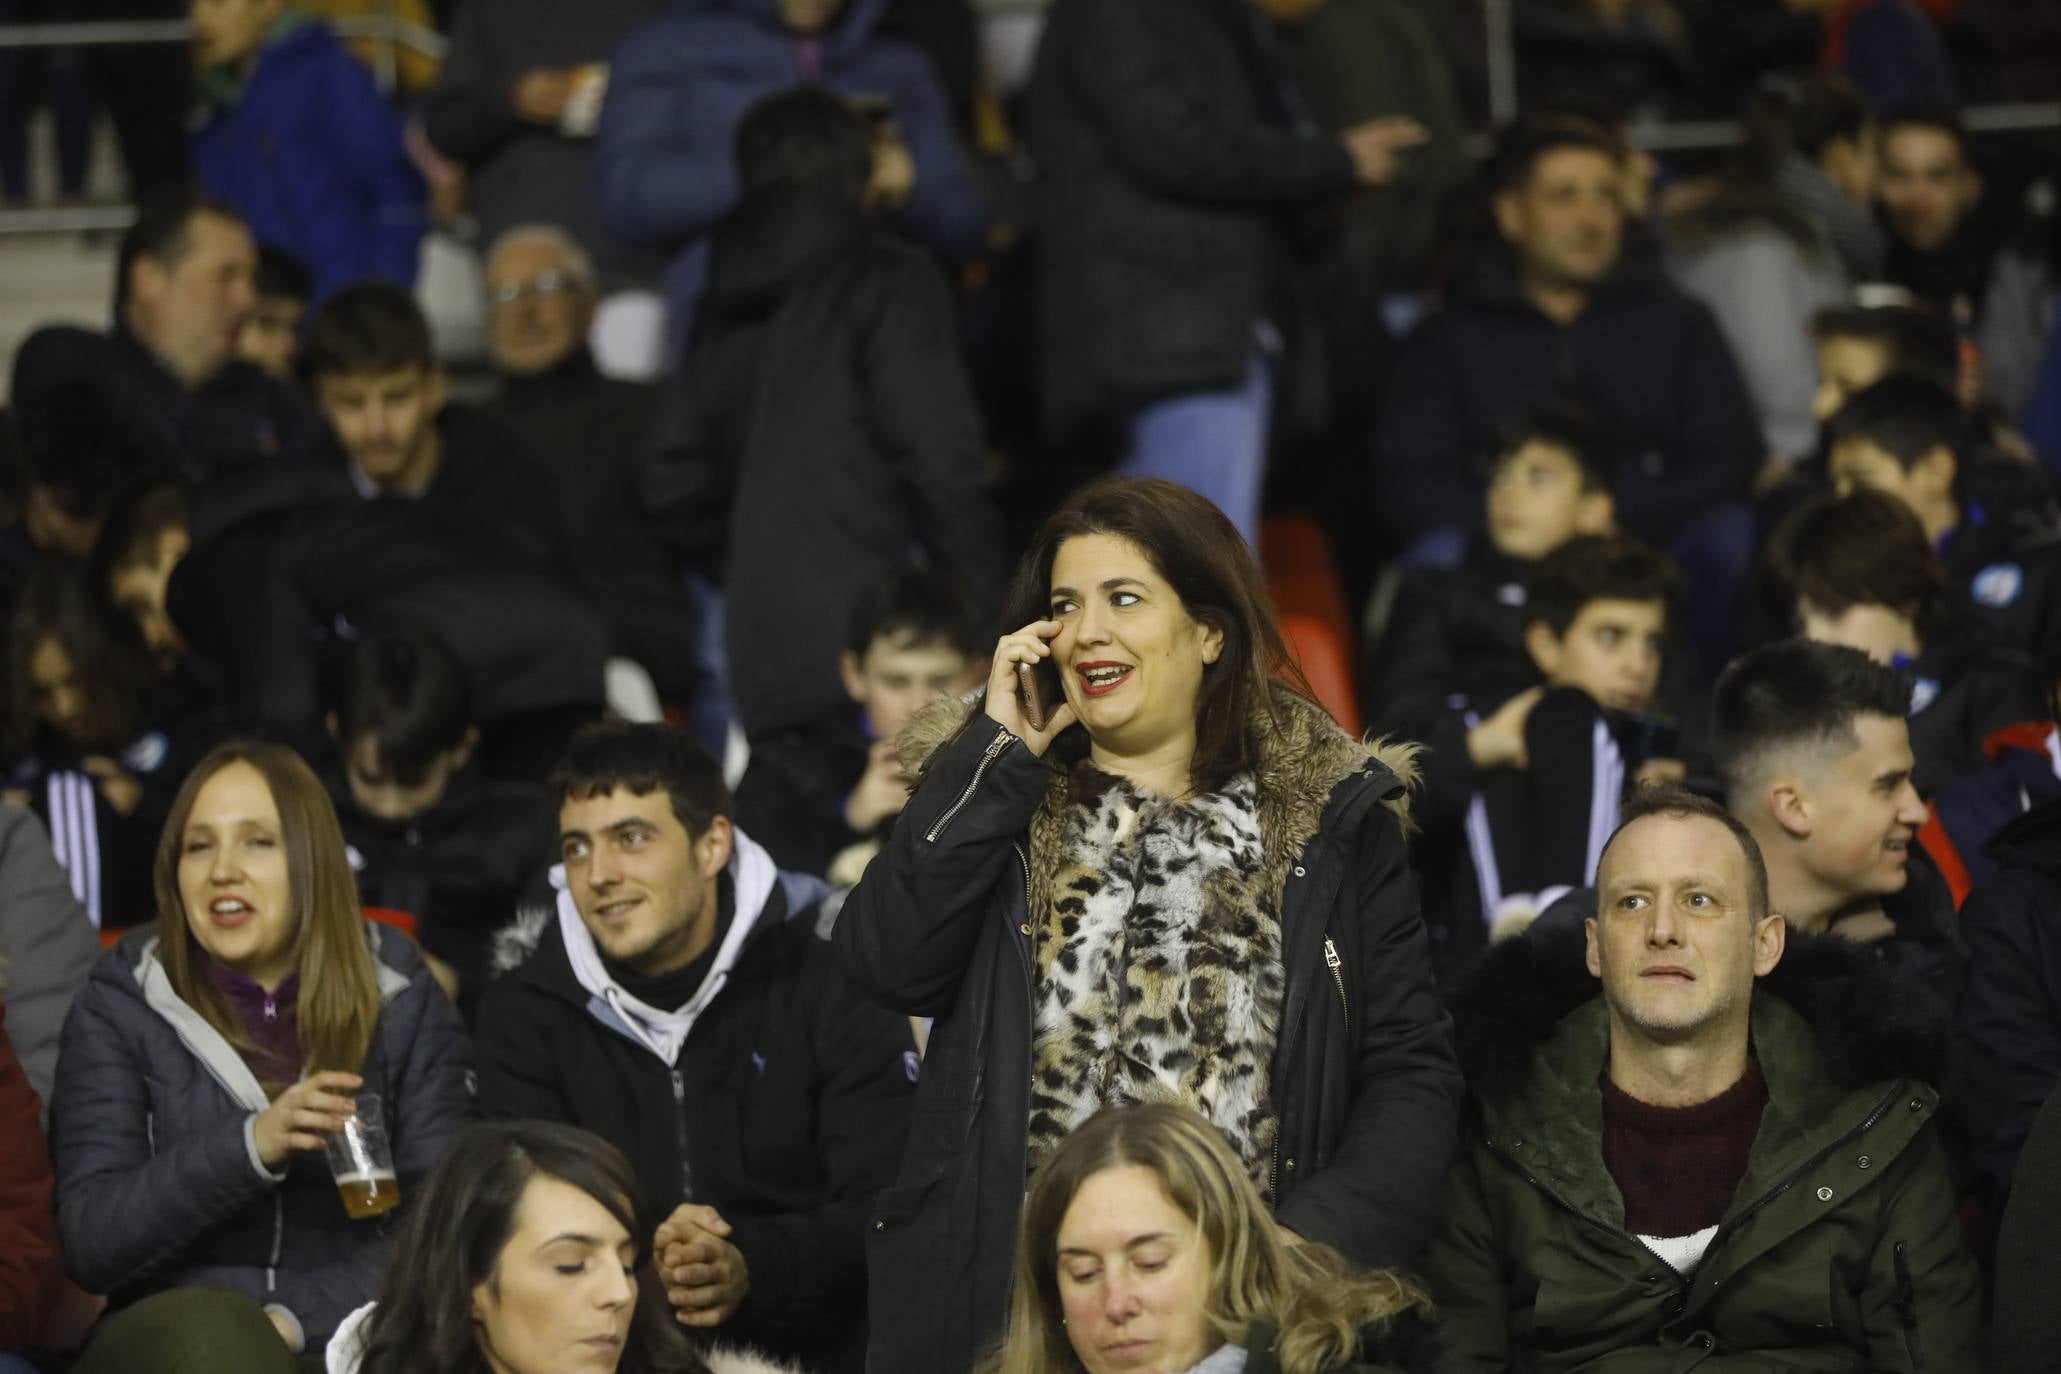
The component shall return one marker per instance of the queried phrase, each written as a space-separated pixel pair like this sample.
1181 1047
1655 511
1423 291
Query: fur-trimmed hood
1307 758
1870 1025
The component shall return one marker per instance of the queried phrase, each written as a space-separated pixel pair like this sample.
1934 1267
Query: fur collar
1307 758
1869 1024
733 1360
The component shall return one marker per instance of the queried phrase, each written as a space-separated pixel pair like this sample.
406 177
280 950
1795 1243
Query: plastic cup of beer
363 1162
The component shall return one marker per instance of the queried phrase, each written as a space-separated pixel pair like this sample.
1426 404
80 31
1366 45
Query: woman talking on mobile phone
208 1059
1188 885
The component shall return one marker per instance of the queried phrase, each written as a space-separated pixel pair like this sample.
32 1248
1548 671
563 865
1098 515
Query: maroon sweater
1678 1167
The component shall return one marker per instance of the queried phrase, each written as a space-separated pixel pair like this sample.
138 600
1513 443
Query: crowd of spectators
841 840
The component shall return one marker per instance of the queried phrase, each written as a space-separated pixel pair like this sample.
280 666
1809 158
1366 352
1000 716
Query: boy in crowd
1460 631
429 835
1990 517
819 796
271 333
1859 345
680 1002
1521 793
1857 570
794 507
371 368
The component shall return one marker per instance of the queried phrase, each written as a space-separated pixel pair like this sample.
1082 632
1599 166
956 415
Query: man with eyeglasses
542 291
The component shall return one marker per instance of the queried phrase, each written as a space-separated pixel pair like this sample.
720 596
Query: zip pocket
993 751
1907 1306
1335 964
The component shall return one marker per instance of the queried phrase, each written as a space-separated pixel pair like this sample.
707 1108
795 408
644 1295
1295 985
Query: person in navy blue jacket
679 87
297 137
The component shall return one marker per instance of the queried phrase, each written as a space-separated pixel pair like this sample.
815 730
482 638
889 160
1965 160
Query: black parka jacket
1364 1078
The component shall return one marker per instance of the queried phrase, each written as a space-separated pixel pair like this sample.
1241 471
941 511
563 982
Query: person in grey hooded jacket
209 1055
46 944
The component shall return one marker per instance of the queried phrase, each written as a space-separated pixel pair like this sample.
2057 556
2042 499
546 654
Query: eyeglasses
543 284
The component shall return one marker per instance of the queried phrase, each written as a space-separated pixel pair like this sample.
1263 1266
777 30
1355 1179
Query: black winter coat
1363 1074
796 507
785 1110
285 557
1164 151
1649 361
2009 1033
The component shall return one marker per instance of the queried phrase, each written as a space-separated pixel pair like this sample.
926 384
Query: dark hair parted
1935 118
614 755
1676 803
1597 567
368 329
1796 694
1207 563
113 683
807 136
1572 428
406 690
916 608
1867 549
1906 417
163 232
461 1220
1916 339
134 530
1785 115
1529 142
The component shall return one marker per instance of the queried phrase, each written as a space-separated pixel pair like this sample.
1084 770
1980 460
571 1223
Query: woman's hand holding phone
1028 647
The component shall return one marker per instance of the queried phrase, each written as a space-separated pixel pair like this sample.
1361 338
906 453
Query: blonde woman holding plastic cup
212 1057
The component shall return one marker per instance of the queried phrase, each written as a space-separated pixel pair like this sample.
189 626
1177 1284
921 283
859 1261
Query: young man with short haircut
1943 243
1521 793
681 1002
1699 1134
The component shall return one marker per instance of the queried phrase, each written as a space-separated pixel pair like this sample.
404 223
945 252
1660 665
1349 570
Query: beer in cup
363 1161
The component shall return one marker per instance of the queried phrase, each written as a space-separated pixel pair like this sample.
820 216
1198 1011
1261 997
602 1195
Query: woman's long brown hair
338 1002
1318 1303
1200 553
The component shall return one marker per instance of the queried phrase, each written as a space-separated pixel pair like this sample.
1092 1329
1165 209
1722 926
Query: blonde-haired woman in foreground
1145 1247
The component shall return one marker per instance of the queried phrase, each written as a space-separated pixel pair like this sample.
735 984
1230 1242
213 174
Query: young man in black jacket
824 425
681 1002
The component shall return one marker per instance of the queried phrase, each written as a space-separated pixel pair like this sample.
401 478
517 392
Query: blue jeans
15 1364
1714 553
1211 442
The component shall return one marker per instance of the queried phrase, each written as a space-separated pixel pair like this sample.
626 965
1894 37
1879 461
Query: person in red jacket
31 1269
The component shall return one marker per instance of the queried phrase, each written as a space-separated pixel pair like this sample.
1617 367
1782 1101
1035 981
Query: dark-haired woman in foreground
1190 885
524 1256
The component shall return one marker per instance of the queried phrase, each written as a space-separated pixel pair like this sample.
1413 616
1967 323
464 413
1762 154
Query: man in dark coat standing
824 426
1169 142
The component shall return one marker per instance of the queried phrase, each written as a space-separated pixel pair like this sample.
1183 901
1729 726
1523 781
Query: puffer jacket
310 154
678 88
1840 1251
1363 1074
158 1180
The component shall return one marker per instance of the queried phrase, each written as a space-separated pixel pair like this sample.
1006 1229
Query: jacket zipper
1798 1172
1577 1213
1907 1306
1335 963
278 1242
680 1132
995 747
